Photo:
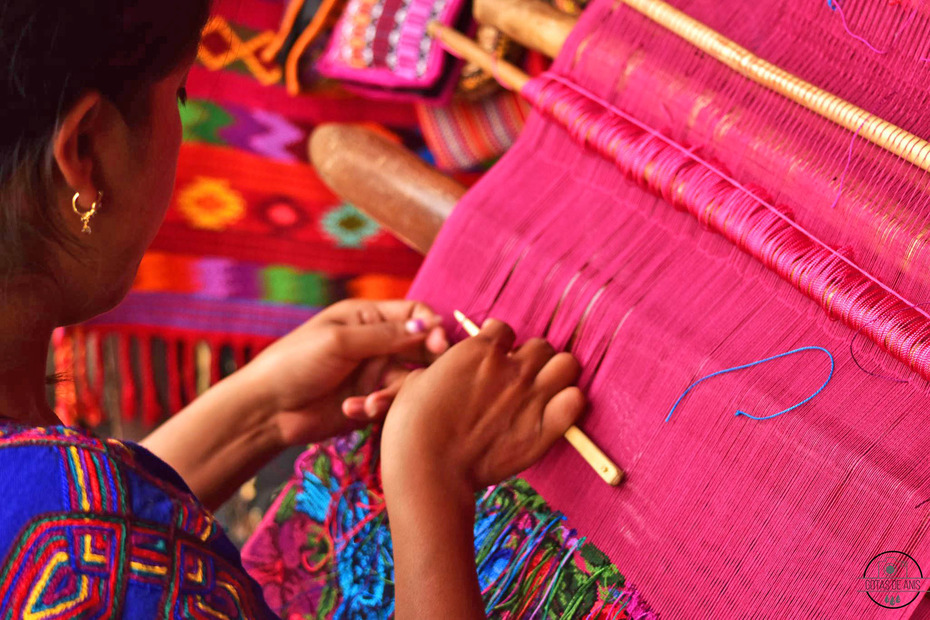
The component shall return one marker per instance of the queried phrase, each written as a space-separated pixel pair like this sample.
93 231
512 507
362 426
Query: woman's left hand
342 368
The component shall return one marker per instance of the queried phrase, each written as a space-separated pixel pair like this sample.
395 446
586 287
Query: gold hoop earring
86 215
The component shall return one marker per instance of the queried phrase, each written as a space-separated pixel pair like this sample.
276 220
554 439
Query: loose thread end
763 361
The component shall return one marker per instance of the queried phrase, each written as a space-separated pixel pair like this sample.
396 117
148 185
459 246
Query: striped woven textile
464 134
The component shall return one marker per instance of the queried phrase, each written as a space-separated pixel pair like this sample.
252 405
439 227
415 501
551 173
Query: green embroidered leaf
323 469
286 508
318 545
328 599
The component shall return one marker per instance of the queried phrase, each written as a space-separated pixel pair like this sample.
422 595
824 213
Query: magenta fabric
720 515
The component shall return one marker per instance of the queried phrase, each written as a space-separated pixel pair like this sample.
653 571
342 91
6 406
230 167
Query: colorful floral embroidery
324 550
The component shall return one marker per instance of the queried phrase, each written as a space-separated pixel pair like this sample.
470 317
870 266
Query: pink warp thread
687 182
852 142
719 517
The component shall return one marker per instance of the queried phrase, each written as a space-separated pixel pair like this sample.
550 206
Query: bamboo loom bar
509 16
466 49
532 23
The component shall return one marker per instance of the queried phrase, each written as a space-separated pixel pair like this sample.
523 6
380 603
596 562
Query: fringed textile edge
139 374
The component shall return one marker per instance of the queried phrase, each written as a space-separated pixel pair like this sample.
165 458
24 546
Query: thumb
360 342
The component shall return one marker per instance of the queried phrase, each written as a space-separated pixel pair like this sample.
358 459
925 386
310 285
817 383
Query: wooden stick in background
463 47
513 17
393 185
595 457
531 23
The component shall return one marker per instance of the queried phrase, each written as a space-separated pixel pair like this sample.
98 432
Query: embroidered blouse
99 528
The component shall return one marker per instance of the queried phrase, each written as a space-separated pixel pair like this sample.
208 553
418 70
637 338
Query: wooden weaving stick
385 180
463 47
531 23
594 456
512 17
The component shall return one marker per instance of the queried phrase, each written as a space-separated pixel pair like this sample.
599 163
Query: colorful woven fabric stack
253 245
380 47
324 550
465 134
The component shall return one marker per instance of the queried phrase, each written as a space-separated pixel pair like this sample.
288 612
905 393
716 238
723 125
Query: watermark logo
893 579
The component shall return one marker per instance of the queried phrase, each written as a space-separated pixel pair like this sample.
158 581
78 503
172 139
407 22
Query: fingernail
353 407
415 326
376 406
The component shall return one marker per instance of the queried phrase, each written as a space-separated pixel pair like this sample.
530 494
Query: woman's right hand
482 412
479 414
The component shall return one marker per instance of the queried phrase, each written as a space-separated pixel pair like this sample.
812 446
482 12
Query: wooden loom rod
845 114
532 23
506 15
391 184
466 49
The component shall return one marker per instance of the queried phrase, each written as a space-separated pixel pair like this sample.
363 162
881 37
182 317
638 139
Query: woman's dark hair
52 52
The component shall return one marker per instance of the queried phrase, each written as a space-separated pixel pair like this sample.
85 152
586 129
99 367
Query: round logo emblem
893 579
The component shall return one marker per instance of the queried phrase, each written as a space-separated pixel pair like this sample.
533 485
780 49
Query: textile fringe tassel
520 571
138 375
175 399
88 399
742 215
65 398
126 380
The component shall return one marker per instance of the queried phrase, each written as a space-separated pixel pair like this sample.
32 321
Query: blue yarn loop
745 366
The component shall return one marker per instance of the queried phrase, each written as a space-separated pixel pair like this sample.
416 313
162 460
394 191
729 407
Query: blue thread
745 366
493 567
314 497
537 535
831 5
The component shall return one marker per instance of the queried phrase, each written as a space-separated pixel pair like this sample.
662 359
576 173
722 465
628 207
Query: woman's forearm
220 440
432 530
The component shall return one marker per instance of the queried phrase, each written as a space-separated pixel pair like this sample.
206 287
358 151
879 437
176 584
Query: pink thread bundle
686 183
762 139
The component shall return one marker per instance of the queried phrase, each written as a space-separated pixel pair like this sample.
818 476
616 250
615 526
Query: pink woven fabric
723 516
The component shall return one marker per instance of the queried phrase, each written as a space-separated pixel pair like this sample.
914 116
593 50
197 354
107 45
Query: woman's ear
71 144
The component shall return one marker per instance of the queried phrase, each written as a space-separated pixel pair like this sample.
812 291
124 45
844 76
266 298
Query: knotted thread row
744 217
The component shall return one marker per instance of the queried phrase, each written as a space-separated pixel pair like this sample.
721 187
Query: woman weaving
90 142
